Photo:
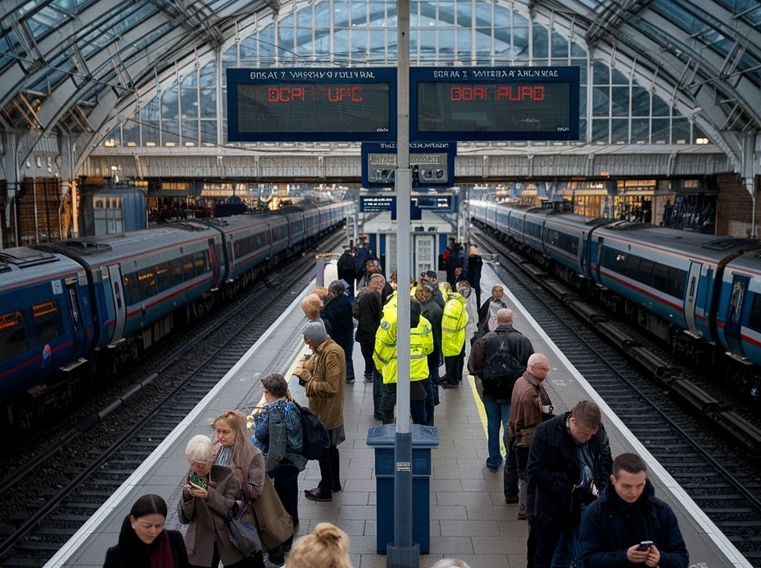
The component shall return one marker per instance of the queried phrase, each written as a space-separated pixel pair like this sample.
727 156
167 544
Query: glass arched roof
81 67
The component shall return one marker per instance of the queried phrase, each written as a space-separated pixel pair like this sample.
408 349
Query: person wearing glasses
530 405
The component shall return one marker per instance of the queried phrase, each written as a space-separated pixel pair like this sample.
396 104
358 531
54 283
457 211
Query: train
689 289
63 305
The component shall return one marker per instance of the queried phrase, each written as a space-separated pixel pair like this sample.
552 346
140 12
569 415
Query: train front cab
46 322
739 310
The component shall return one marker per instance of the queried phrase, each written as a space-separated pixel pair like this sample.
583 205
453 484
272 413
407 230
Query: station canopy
79 67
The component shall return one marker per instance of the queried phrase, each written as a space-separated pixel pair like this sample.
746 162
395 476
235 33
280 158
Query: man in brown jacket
324 377
530 405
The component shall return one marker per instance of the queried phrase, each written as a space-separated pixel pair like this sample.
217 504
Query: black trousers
367 354
285 478
387 403
330 471
455 365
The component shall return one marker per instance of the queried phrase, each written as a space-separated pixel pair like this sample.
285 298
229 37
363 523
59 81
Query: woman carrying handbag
264 509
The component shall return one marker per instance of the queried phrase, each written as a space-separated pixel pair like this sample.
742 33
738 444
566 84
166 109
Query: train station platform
468 517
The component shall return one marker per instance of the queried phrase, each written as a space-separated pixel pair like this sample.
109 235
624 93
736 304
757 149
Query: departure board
311 104
494 103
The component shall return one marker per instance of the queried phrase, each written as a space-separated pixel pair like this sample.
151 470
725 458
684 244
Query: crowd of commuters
583 508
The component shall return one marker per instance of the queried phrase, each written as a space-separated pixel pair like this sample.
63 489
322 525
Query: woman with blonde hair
312 305
234 449
326 547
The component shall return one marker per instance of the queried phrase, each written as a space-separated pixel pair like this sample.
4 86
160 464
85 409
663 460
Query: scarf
161 552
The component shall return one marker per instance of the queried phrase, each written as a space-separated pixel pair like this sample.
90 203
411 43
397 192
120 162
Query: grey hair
199 449
337 287
376 276
315 332
450 563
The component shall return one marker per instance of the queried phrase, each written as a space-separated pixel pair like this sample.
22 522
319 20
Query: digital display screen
311 104
495 103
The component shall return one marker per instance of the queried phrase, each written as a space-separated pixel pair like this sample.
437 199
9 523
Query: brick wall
734 206
44 196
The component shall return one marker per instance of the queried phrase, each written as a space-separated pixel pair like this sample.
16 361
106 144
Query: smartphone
645 544
198 480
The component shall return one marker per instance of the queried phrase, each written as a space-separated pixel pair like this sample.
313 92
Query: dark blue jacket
553 469
339 322
608 531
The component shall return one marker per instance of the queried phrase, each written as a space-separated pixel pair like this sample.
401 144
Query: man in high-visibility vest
421 344
453 323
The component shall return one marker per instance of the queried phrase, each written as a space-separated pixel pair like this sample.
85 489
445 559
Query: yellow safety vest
453 322
421 344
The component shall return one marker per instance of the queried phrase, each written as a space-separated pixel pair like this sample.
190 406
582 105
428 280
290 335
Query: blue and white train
63 304
706 287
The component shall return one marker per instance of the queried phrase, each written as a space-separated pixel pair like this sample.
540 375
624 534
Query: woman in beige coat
209 493
236 451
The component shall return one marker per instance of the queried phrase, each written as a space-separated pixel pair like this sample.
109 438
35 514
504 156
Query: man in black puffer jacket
568 465
629 525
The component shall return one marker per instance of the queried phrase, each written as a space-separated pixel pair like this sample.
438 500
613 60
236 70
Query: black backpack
314 436
501 369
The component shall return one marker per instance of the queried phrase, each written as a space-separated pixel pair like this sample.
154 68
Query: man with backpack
498 359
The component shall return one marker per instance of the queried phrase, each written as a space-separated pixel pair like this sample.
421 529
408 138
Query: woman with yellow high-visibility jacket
453 323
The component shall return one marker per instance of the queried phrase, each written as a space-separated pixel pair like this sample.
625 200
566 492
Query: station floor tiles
469 518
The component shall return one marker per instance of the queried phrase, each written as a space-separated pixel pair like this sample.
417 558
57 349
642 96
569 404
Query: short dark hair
432 274
275 384
337 287
630 463
415 309
587 412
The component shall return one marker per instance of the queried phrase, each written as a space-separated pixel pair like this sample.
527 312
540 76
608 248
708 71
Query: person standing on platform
421 344
498 359
431 311
278 435
487 313
346 268
339 323
454 320
438 289
628 525
369 310
455 265
324 377
475 263
529 406
361 255
569 464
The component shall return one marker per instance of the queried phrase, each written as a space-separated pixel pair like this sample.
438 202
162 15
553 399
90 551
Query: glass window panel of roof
322 16
483 14
501 16
464 13
340 13
541 39
305 18
358 13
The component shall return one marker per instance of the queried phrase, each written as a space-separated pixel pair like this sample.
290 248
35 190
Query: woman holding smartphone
209 493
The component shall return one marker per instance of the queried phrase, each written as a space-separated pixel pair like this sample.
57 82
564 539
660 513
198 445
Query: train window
754 322
613 260
146 283
187 266
677 279
47 321
645 272
163 278
632 266
660 277
200 263
131 292
175 270
13 339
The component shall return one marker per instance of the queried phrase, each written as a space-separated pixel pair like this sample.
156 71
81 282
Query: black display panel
487 103
305 105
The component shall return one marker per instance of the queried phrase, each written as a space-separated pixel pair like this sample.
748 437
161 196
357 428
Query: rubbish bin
423 439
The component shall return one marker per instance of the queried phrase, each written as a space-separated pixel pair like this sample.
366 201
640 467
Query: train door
214 263
79 330
423 254
733 325
120 309
690 298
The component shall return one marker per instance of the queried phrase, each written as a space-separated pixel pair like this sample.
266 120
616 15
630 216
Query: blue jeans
497 413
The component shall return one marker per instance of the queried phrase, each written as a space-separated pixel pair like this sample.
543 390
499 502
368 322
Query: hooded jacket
610 526
453 323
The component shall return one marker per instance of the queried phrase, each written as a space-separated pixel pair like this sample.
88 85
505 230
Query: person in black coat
475 263
143 541
346 269
569 464
339 323
626 515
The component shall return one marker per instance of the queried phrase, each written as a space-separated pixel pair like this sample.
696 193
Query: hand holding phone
645 545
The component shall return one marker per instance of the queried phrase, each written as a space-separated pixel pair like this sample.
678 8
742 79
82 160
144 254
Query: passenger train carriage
709 287
62 303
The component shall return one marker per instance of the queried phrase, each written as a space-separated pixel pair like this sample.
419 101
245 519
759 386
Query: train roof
565 218
749 261
709 247
235 222
24 264
96 250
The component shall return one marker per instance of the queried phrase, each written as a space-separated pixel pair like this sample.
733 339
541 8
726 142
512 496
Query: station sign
494 103
432 164
311 104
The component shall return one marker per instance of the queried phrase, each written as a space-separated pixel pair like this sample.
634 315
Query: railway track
63 484
716 472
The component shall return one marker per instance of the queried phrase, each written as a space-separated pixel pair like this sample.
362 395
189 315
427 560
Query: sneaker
521 516
317 495
511 500
492 469
349 380
368 378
